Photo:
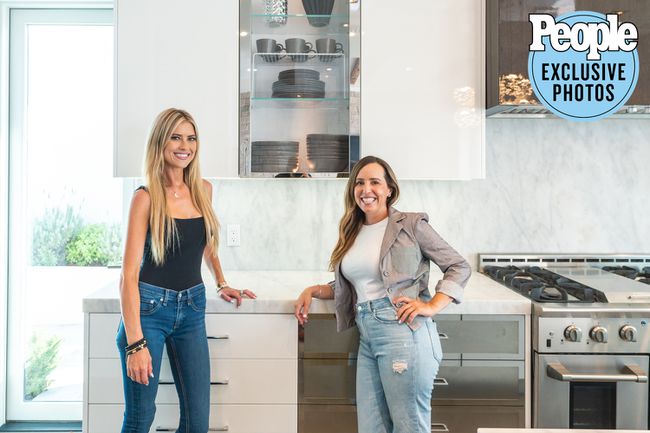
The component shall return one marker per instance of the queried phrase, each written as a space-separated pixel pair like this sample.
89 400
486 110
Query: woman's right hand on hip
138 366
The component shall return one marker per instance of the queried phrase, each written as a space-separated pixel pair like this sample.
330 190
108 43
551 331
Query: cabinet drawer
102 331
453 419
480 382
327 418
482 337
320 339
327 381
229 335
467 419
107 418
235 381
445 324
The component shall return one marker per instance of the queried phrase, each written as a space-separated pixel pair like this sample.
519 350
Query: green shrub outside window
61 238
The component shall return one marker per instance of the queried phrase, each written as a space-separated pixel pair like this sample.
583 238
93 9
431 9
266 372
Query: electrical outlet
232 235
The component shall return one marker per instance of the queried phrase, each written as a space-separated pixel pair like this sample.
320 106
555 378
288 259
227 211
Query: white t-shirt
360 265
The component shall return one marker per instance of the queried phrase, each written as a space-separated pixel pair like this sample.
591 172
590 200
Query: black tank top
182 267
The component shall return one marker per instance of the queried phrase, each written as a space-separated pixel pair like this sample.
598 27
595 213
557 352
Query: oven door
591 392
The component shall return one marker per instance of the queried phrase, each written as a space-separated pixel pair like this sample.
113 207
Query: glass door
65 207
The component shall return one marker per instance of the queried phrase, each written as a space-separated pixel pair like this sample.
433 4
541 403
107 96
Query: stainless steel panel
552 396
327 381
473 337
467 419
319 339
480 383
327 419
548 333
485 337
446 323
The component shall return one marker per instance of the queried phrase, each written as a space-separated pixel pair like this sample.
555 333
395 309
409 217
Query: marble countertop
277 290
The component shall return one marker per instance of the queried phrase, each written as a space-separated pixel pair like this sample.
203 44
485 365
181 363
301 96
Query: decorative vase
275 12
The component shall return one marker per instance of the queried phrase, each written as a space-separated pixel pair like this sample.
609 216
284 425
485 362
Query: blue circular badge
575 87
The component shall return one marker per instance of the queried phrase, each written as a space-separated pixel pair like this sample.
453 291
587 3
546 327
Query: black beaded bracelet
136 348
139 345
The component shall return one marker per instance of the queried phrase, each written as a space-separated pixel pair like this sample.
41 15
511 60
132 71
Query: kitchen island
262 383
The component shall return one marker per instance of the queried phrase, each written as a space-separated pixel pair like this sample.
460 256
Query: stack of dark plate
274 156
328 152
299 83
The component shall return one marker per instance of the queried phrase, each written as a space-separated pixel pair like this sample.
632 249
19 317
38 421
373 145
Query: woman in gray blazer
381 269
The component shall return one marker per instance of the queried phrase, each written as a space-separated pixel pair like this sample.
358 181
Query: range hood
541 112
509 92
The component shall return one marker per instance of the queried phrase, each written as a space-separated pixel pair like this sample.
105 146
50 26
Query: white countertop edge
277 290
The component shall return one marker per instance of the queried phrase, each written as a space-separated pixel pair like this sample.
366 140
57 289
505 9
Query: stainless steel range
591 336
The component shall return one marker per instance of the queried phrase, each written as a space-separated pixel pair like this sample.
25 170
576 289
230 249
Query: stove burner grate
642 276
542 285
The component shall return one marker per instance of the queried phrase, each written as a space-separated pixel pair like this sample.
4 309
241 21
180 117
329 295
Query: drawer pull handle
440 381
443 336
216 382
438 426
219 337
166 429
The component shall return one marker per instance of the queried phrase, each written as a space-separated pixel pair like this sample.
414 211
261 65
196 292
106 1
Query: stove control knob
628 333
598 334
573 333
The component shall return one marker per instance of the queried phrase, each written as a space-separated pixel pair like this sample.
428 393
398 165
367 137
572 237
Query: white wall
552 186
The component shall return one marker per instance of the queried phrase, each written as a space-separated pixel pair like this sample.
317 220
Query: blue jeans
395 371
177 320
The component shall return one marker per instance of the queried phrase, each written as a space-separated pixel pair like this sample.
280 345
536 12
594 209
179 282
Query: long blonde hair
161 225
353 218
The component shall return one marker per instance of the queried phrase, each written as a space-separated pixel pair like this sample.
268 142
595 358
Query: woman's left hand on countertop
231 295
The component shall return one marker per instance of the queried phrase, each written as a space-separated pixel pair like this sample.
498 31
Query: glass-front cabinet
298 88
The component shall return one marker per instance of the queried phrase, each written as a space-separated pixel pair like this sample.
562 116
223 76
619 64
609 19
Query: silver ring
241 293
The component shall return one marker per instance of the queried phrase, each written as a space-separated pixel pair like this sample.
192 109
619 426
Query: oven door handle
633 373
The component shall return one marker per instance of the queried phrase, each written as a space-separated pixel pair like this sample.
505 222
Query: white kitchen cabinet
229 336
233 382
422 87
107 418
253 373
184 54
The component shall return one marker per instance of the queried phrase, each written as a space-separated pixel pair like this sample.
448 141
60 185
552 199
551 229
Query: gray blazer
408 246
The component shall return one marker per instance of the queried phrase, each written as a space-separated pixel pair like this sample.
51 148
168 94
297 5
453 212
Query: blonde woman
172 227
381 269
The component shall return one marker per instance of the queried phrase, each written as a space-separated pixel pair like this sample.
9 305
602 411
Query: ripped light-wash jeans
395 370
176 320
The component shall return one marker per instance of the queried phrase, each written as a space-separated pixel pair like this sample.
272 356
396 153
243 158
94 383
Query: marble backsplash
552 186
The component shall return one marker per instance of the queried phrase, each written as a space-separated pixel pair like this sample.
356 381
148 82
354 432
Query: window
65 208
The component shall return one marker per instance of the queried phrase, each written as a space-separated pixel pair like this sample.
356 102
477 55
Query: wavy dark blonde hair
353 218
161 225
